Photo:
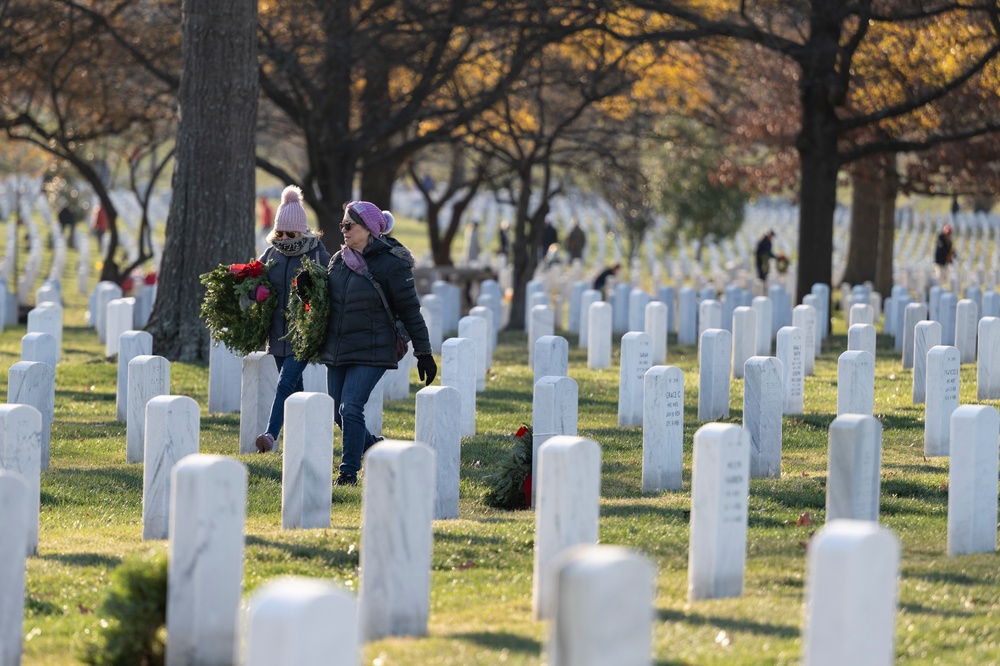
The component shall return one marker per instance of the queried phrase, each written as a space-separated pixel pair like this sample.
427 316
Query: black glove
427 369
303 282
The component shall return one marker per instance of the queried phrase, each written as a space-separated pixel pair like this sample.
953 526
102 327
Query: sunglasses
286 234
355 219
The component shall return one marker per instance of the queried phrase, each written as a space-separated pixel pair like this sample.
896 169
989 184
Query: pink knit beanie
291 215
377 221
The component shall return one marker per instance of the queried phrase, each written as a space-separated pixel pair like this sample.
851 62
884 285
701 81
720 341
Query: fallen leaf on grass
468 564
804 519
943 487
83 609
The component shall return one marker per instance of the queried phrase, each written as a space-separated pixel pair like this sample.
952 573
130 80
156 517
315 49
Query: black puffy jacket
285 268
360 331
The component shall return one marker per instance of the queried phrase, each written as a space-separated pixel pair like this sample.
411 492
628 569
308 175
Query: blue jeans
289 382
350 386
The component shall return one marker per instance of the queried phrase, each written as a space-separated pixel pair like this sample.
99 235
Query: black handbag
402 337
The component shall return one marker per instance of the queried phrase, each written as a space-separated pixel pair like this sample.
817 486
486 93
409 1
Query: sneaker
378 438
265 442
346 479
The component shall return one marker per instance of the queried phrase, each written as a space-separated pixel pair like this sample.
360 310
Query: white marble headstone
205 566
34 383
148 377
567 508
258 386
720 482
790 351
713 374
854 468
855 383
804 317
851 595
438 412
635 361
599 336
972 480
662 428
301 621
762 407
130 345
172 431
603 608
988 364
941 398
458 356
656 329
307 463
20 453
926 334
397 513
224 378
551 358
14 507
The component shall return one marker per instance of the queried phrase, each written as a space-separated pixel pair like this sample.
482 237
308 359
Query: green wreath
507 487
308 311
782 264
239 302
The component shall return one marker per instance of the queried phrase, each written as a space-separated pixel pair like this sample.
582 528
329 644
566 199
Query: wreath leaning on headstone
509 484
239 302
308 311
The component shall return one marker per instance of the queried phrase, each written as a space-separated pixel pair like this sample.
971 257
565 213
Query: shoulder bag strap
381 294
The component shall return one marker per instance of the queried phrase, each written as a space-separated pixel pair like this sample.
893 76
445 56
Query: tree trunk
863 249
211 219
524 246
817 146
887 226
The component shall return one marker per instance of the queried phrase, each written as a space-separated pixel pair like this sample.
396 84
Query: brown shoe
265 442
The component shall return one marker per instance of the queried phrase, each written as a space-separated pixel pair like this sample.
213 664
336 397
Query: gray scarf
293 247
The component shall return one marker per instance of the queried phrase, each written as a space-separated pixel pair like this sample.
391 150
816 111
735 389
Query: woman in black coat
361 338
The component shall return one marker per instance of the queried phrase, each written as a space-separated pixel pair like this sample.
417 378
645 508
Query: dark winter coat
944 250
360 332
281 275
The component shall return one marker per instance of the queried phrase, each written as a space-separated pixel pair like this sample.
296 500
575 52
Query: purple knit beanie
291 215
377 221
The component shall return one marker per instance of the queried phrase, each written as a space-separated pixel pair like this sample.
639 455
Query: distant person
764 255
67 223
576 241
504 238
944 254
602 277
552 256
954 206
266 216
471 242
99 223
549 236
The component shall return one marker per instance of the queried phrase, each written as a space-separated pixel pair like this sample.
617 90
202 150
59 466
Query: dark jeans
350 386
289 381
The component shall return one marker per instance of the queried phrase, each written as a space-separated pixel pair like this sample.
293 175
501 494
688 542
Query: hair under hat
291 216
377 221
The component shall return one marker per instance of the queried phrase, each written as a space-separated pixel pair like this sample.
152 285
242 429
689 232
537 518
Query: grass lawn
482 563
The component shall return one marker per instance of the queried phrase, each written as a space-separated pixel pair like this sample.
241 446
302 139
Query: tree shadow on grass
337 557
729 624
948 577
501 640
84 559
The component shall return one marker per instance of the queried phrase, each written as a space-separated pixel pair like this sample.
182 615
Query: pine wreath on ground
507 483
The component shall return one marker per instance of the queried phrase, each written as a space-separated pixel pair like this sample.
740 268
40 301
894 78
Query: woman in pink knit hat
371 285
290 239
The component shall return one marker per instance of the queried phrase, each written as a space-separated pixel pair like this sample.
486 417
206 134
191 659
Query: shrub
133 614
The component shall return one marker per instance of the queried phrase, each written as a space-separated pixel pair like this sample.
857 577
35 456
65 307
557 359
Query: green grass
482 563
